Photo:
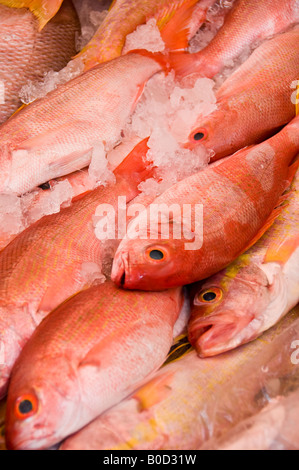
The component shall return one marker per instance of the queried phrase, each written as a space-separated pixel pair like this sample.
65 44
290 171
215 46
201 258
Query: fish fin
43 10
20 108
135 166
180 348
112 5
70 163
281 252
268 224
176 33
292 172
154 391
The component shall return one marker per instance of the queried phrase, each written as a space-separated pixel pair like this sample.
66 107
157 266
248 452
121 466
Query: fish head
226 309
217 133
149 264
40 410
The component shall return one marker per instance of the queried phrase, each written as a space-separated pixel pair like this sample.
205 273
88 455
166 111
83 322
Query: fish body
86 356
248 23
43 10
252 294
55 258
231 204
28 54
252 104
123 18
55 135
192 400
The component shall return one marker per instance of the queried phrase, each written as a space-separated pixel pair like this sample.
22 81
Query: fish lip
120 271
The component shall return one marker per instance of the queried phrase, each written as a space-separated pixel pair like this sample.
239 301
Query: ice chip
92 273
146 36
98 168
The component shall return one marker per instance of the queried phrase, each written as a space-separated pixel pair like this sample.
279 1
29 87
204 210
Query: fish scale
28 54
96 348
235 213
44 265
257 289
252 104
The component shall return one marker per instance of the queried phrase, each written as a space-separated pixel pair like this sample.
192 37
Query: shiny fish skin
55 135
46 263
85 357
123 18
192 400
27 53
249 22
238 196
253 103
254 292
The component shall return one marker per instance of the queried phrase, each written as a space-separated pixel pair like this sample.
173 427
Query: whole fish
252 103
251 295
27 53
57 257
249 22
86 356
201 224
192 400
123 18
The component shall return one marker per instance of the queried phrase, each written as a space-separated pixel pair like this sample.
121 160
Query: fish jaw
218 334
11 343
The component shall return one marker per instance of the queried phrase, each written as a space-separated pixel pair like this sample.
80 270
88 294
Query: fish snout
10 348
217 334
118 273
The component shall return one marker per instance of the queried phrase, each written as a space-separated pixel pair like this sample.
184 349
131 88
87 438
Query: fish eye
156 254
26 406
200 135
212 295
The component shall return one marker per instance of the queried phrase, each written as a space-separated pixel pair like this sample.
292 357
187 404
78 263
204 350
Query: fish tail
136 166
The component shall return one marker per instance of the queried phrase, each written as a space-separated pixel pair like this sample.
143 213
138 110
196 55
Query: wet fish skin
252 104
55 135
249 22
192 400
123 18
27 53
47 263
254 292
86 356
238 196
44 10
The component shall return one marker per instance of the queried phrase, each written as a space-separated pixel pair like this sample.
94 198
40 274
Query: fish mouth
217 334
120 268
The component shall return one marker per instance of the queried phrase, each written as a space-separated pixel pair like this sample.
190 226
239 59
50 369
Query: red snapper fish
201 224
249 22
85 357
192 400
57 257
30 48
125 15
252 294
252 104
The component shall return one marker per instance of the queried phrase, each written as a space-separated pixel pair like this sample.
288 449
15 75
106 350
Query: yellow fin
180 348
19 109
176 31
281 252
154 391
268 224
44 10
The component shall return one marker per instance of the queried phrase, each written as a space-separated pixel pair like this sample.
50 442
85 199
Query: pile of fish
149 210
